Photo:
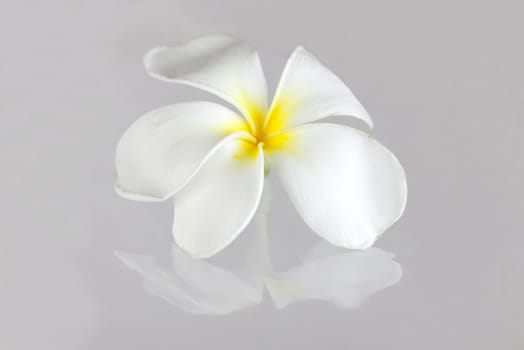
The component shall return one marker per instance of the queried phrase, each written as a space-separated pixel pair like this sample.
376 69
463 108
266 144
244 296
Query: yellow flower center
265 129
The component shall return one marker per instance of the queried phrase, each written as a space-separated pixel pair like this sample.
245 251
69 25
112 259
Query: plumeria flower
211 160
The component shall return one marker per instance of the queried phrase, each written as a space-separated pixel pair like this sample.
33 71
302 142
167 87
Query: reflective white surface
443 84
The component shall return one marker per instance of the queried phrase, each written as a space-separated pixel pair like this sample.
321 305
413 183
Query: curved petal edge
347 186
220 200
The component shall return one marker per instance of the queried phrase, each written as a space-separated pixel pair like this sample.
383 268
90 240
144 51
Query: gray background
443 81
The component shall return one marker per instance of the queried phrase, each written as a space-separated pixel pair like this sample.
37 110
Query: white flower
346 186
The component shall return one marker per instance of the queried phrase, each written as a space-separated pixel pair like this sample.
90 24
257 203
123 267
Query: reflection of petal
346 279
214 284
196 286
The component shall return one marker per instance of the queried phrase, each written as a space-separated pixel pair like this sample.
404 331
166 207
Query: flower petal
220 200
346 186
309 91
158 154
222 65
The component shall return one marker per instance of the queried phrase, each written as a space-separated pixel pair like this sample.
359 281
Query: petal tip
194 253
362 244
149 58
299 48
119 190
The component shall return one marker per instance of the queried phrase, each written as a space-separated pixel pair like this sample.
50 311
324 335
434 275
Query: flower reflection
193 285
341 277
345 279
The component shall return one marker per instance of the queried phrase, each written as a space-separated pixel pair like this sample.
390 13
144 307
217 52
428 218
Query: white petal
158 154
220 200
222 65
346 186
309 91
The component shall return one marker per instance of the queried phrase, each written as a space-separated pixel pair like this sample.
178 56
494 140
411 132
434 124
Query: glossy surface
84 269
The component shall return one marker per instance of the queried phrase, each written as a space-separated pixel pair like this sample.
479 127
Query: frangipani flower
345 185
